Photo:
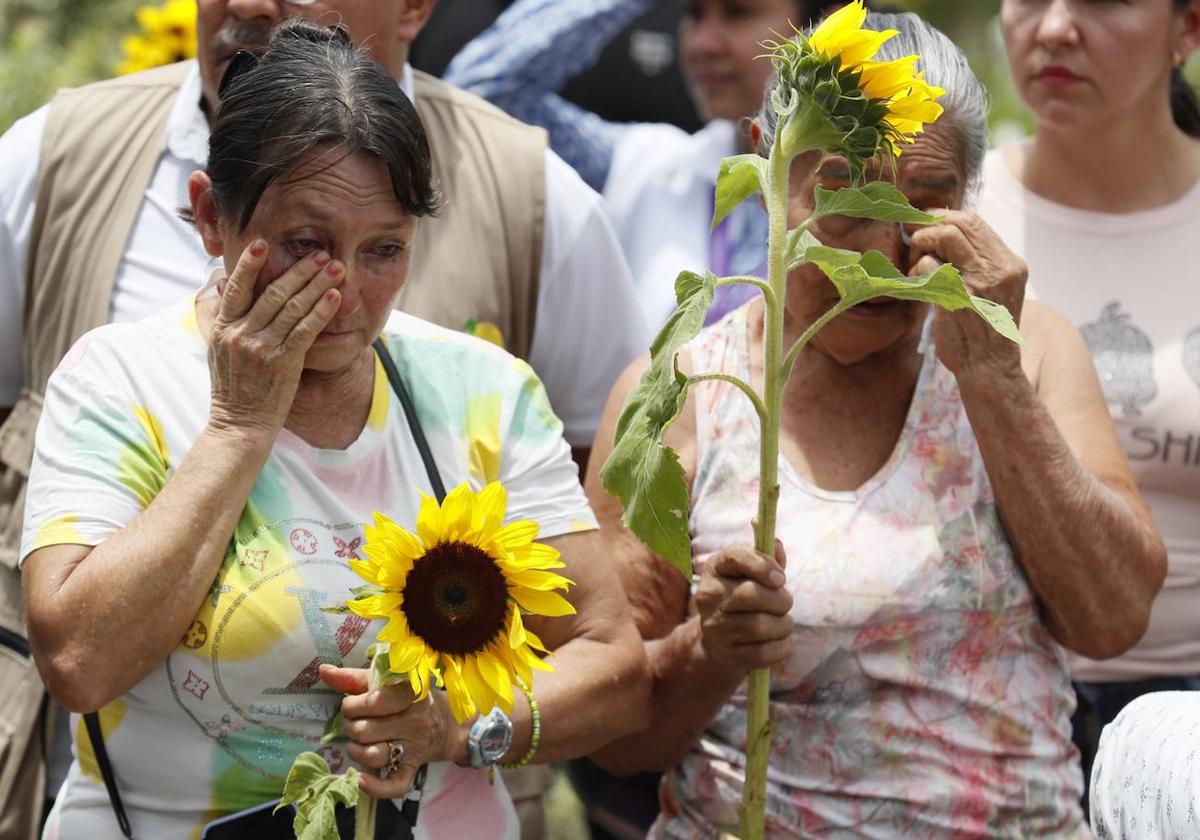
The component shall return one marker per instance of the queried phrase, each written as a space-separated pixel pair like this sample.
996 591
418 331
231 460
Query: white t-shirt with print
214 728
1131 283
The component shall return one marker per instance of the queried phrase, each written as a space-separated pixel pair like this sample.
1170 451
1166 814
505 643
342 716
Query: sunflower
168 35
454 593
834 97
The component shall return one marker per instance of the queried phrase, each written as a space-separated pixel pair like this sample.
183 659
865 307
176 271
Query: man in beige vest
89 186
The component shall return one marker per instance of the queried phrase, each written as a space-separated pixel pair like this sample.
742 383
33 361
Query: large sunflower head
167 35
453 596
832 96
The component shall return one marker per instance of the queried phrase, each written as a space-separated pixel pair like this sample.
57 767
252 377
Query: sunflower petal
541 603
884 79
406 655
849 17
376 606
395 631
516 535
429 522
532 660
457 510
481 693
497 674
516 628
537 579
864 46
461 704
534 642
490 505
534 556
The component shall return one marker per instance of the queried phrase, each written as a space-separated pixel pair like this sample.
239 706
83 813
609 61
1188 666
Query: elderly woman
954 511
202 479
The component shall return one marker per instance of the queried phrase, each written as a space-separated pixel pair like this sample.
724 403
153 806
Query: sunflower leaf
860 277
340 609
876 200
333 728
641 471
315 793
381 672
799 240
739 177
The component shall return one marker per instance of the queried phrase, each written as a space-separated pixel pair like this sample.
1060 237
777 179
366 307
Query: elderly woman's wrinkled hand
257 346
965 343
389 731
744 609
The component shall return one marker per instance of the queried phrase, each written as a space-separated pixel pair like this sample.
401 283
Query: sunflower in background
168 35
453 595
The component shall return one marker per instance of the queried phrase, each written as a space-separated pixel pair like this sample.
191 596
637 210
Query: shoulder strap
413 803
410 414
96 735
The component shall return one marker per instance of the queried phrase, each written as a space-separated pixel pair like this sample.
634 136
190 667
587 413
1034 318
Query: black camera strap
411 805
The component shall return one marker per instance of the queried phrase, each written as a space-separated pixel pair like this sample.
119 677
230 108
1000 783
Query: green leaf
316 792
342 610
861 277
381 673
799 240
740 177
643 473
876 200
333 728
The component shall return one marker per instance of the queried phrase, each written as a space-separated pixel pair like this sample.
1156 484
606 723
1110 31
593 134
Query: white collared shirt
659 193
588 322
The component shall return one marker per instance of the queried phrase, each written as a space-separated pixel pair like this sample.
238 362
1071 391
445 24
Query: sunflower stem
364 812
758 721
364 816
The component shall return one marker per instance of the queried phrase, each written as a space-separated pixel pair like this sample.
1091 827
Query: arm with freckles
697 661
101 618
1070 506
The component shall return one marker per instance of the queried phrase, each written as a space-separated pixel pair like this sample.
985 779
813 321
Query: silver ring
395 756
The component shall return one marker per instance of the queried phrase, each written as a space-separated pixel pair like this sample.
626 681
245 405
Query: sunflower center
456 598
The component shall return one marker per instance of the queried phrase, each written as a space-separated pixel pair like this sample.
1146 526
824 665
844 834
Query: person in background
636 77
523 254
954 511
657 179
1103 201
1146 776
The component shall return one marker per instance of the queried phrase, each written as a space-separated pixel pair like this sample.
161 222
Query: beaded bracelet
535 738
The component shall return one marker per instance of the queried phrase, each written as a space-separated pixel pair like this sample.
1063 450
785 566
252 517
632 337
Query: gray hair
945 65
312 88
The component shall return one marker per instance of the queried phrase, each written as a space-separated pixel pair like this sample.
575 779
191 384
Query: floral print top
922 696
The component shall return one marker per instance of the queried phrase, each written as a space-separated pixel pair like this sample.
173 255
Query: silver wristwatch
489 739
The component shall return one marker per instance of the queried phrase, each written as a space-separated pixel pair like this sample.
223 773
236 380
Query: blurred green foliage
48 44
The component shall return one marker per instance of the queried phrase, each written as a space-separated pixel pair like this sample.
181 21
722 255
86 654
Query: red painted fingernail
333 269
258 248
320 258
331 296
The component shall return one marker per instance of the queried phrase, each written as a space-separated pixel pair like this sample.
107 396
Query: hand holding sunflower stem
453 596
831 98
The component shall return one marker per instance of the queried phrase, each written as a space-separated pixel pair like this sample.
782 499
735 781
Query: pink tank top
922 696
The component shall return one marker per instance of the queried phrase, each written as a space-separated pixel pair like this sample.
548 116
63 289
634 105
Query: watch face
495 741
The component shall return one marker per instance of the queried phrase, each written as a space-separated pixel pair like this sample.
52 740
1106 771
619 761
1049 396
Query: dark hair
1185 105
312 88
